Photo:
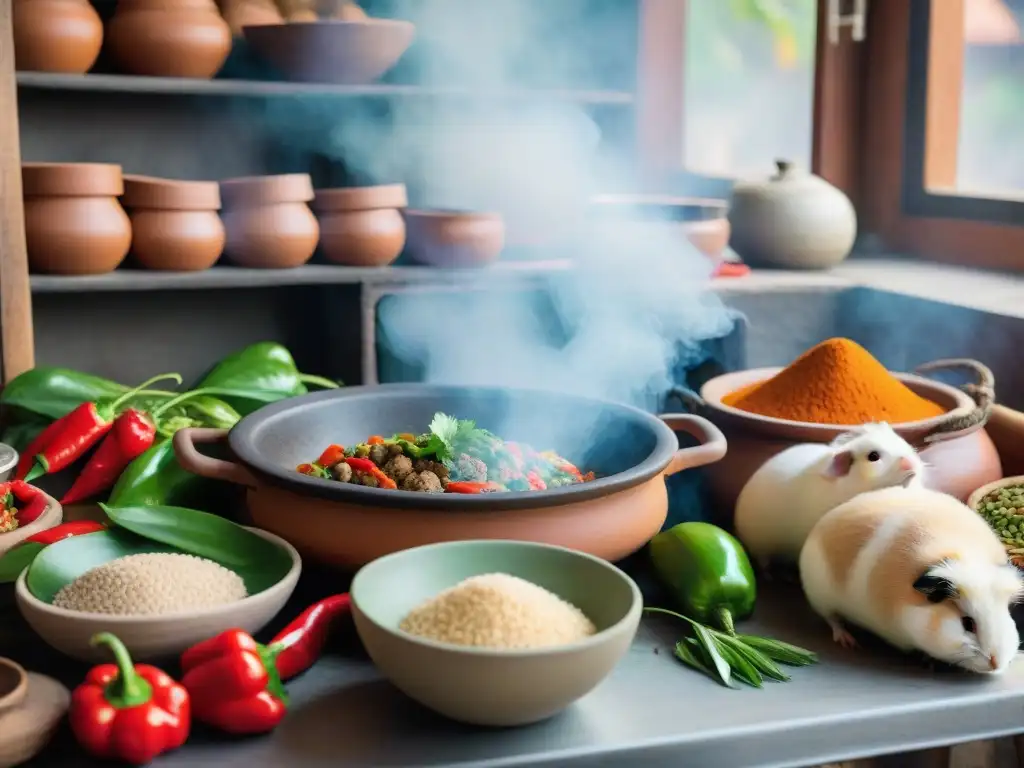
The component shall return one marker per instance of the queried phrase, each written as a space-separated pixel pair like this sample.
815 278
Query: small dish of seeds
1001 504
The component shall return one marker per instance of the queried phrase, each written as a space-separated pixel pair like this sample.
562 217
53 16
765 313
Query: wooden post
17 353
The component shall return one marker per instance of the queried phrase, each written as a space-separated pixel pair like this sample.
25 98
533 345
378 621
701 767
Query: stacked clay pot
168 38
74 224
440 238
175 224
361 226
268 221
56 36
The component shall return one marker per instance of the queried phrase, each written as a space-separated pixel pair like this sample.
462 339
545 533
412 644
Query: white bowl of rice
498 633
153 588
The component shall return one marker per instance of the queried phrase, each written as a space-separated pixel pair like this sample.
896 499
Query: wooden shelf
311 274
266 89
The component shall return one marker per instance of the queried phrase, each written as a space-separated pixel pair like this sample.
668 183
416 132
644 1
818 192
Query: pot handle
687 397
191 460
712 448
982 391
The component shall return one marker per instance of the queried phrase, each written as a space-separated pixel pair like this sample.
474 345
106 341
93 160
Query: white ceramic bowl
53 516
155 637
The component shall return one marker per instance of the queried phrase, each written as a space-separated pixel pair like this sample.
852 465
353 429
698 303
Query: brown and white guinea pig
919 569
791 491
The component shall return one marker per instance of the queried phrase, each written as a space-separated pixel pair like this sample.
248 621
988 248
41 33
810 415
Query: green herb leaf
741 667
705 657
761 662
17 559
64 561
259 562
686 655
776 650
707 642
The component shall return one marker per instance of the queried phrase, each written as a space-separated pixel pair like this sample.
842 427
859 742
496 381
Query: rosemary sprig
728 657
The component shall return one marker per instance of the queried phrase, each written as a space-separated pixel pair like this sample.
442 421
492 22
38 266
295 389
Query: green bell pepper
707 573
259 374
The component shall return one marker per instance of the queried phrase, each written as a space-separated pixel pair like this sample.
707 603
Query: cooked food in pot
453 456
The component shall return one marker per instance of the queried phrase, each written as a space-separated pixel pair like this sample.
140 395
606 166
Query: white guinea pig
791 491
921 570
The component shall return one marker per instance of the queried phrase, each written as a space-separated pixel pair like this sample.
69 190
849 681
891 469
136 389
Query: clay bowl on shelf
959 461
332 51
152 637
268 221
348 525
51 517
459 681
175 225
74 224
438 238
704 222
31 708
361 226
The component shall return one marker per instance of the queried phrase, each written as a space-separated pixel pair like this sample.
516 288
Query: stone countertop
652 711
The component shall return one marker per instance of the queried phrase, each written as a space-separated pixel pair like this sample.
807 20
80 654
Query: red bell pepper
234 684
128 712
82 429
471 487
299 645
536 482
367 467
331 455
42 440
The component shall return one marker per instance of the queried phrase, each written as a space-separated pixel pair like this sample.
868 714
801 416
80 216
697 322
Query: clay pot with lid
56 36
440 238
268 221
74 224
361 226
794 220
175 225
168 38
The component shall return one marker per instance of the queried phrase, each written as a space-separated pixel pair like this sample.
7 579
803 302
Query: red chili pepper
369 468
38 445
66 531
299 645
306 469
536 481
34 501
470 487
331 455
375 440
234 684
131 436
128 712
82 429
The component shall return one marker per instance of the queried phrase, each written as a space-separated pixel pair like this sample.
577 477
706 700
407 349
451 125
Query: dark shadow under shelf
267 89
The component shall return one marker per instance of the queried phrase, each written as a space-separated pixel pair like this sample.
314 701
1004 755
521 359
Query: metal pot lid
8 458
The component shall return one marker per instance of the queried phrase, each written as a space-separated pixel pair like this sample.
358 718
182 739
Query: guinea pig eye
968 624
874 456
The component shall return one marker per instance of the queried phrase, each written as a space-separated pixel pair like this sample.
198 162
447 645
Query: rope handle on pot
982 391
691 401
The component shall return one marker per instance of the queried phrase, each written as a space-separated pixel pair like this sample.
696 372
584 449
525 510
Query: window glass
749 80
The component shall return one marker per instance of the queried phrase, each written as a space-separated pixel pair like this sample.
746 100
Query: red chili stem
300 644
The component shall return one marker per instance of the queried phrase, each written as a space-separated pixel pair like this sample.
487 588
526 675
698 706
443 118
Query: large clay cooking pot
959 453
347 525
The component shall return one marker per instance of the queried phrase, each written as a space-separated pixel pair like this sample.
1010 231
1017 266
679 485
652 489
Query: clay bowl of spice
268 221
353 52
552 624
175 224
439 238
74 224
52 515
834 387
361 226
1001 503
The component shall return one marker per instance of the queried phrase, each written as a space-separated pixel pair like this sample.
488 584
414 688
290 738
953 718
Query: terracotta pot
704 222
31 708
175 225
168 38
245 13
74 224
56 36
454 238
347 525
332 51
361 226
52 516
269 224
959 461
795 220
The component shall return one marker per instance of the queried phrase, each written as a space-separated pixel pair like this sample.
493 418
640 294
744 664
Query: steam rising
634 304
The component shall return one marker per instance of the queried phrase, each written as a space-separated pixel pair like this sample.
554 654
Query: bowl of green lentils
1001 503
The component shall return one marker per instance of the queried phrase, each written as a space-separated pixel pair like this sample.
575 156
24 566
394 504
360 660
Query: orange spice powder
835 382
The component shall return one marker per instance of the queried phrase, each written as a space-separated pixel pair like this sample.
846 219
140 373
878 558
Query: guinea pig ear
935 587
840 465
